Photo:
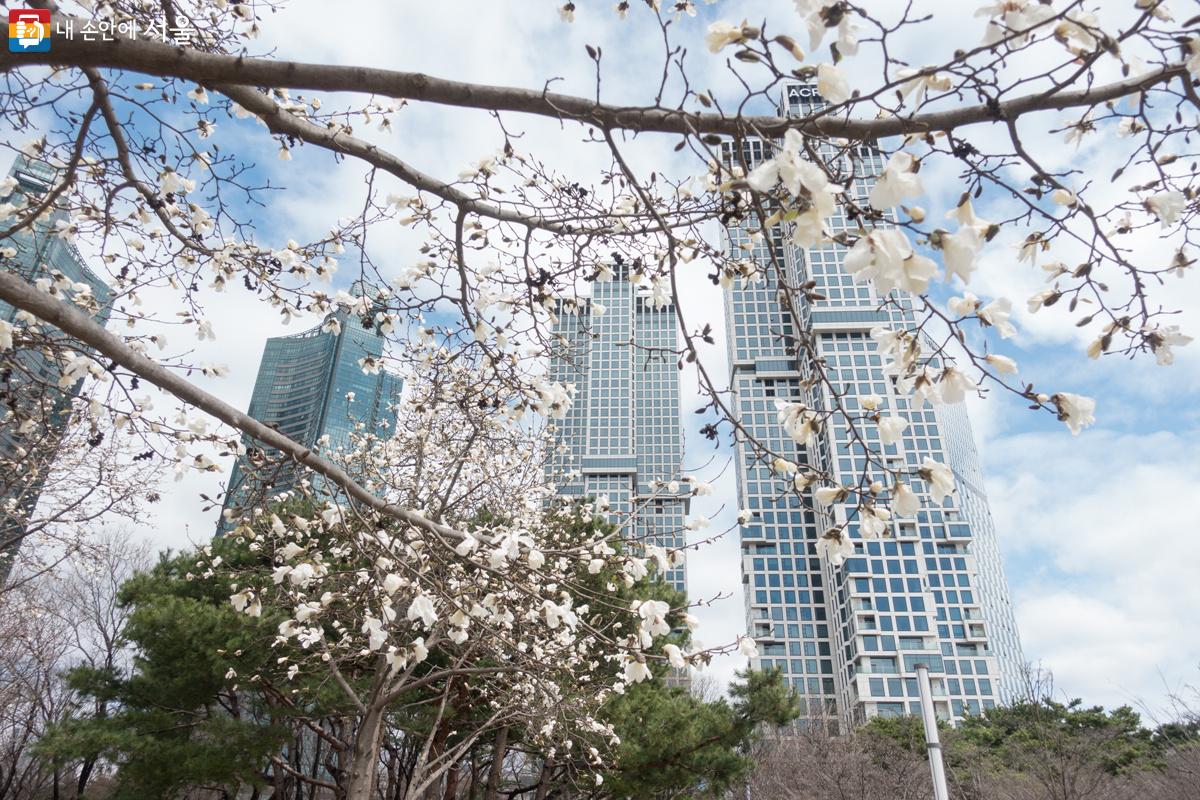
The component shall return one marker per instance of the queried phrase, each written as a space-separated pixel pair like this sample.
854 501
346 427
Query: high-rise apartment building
933 590
29 384
312 387
622 435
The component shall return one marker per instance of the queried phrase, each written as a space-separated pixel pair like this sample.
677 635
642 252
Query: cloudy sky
1099 531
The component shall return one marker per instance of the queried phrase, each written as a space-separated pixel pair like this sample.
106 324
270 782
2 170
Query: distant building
29 381
310 386
622 433
933 591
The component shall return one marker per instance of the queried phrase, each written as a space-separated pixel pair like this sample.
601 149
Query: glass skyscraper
933 590
622 437
311 386
29 383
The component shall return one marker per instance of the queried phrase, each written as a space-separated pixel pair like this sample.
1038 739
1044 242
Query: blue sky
1100 540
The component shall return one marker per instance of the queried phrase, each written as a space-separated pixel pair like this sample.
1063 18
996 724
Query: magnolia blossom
873 522
959 251
963 306
422 608
996 314
722 34
831 84
801 178
674 656
1076 410
891 429
747 647
800 422
898 181
954 385
1013 16
836 546
1063 197
1042 298
1163 339
847 40
1002 364
636 670
886 257
828 495
905 502
939 477
916 84
744 516
1167 206
782 466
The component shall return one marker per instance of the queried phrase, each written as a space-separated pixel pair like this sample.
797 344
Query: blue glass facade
622 432
311 386
933 591
30 386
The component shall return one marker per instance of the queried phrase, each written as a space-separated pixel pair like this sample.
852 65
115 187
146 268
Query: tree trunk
493 783
364 760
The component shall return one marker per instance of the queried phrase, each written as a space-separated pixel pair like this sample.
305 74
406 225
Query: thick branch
156 58
75 323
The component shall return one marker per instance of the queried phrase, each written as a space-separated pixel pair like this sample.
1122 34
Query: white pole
932 744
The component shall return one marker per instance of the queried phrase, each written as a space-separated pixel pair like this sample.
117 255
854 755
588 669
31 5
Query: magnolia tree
503 602
151 130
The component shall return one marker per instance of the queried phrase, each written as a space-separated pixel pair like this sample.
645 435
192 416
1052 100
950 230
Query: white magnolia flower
744 516
916 84
747 647
847 39
1063 197
963 306
873 522
959 252
939 477
886 257
1013 17
722 34
289 551
1163 339
1167 206
905 502
828 495
1192 62
240 600
831 84
898 181
1038 300
1077 411
199 95
954 385
870 402
891 429
800 422
1002 364
422 607
6 335
373 627
996 314
636 671
836 546
674 656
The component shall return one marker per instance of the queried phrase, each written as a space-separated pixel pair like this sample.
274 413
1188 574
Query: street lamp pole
936 768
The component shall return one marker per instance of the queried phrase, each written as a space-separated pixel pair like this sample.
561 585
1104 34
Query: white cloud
1102 551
